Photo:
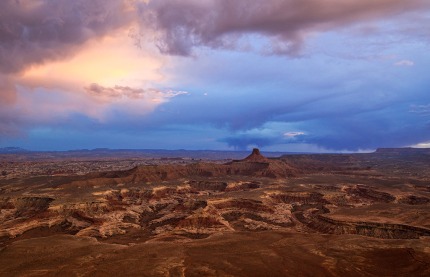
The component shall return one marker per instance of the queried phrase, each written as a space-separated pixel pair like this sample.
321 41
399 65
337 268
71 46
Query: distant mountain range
403 151
180 153
13 150
133 153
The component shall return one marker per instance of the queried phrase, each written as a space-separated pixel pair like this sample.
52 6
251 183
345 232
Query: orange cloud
109 74
111 61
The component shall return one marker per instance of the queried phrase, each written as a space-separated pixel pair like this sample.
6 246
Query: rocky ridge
201 199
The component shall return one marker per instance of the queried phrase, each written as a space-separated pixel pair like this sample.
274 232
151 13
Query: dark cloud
184 24
243 142
32 32
354 134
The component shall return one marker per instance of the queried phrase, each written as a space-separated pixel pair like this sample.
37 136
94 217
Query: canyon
292 215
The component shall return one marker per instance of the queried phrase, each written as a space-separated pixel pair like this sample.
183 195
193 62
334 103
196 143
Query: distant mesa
256 157
403 151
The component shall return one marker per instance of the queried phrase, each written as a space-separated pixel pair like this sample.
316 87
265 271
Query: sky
281 75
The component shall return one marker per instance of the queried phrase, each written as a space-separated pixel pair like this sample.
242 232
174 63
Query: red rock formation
256 157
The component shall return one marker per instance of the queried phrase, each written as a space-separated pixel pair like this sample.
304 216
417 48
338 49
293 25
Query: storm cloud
32 32
182 25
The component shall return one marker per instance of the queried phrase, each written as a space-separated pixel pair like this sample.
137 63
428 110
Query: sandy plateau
296 215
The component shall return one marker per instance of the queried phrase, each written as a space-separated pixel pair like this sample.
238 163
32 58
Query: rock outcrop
256 157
